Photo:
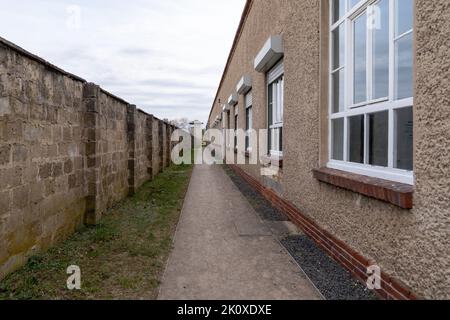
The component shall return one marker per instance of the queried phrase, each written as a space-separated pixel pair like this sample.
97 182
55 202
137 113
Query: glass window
403 67
338 47
378 138
338 139
338 91
235 128
338 9
275 114
356 134
371 90
353 3
403 16
380 47
360 59
404 139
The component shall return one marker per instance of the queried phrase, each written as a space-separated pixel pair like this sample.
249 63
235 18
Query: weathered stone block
19 108
57 133
30 172
72 181
90 90
52 150
21 197
5 106
49 187
52 114
13 131
57 169
91 148
68 166
45 171
11 178
93 162
36 191
5 201
20 153
31 132
90 119
5 155
91 105
67 134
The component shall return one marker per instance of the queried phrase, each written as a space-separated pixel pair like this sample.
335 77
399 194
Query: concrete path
223 250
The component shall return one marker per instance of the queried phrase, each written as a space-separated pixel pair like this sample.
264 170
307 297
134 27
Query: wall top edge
38 59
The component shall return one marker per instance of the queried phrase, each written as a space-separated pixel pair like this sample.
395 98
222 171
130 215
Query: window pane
404 139
404 13
378 139
381 51
275 139
338 91
356 139
247 119
360 59
338 9
404 67
338 47
270 98
338 139
235 128
353 3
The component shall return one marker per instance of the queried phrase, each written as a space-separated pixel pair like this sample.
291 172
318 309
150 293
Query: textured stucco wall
411 246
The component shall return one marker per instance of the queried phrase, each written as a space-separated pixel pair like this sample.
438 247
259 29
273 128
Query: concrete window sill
271 160
396 193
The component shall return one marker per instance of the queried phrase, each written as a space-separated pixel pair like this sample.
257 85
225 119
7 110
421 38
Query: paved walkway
224 251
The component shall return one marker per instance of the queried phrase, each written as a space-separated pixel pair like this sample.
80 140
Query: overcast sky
166 56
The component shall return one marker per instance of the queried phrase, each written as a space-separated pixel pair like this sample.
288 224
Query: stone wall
68 151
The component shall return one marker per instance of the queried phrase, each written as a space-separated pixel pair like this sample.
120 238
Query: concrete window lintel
233 99
271 53
244 85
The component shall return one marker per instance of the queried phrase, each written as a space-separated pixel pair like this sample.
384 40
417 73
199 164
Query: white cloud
165 56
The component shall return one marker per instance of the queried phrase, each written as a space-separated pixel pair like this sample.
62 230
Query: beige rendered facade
410 245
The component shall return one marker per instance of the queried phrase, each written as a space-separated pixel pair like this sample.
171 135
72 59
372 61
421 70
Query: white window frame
248 98
273 75
372 105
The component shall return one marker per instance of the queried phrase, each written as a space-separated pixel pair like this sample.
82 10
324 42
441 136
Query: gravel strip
331 279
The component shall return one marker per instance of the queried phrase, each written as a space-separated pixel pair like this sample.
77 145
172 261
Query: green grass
121 258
